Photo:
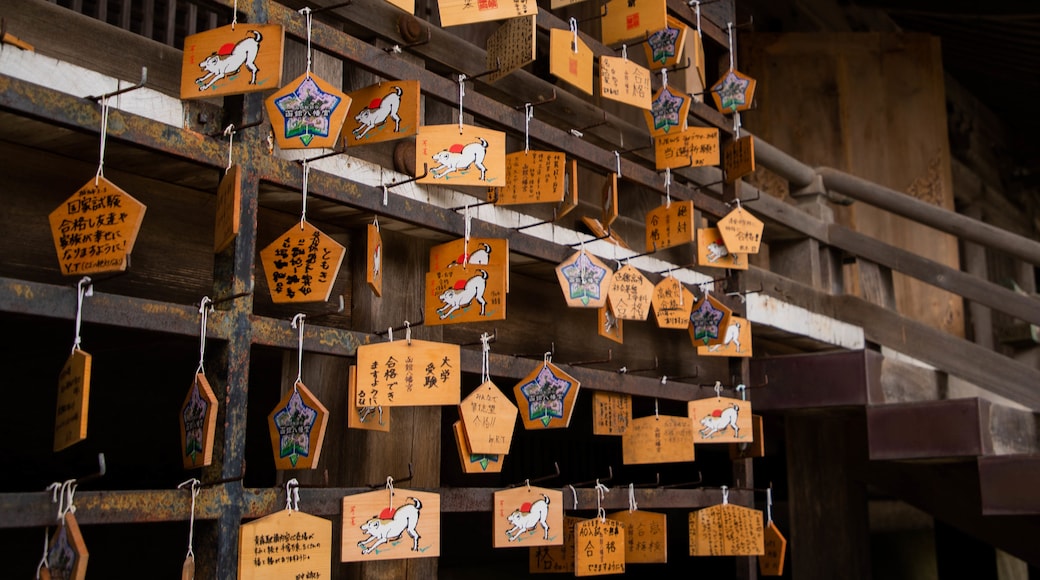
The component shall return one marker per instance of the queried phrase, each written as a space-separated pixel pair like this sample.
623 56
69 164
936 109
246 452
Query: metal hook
538 103
472 205
102 468
656 483
741 294
425 172
144 79
633 150
466 77
696 373
697 482
528 482
238 477
758 194
539 223
494 335
235 296
397 48
626 370
236 128
644 253
382 484
610 471
596 238
332 153
336 309
579 132
399 328
551 352
601 15
583 363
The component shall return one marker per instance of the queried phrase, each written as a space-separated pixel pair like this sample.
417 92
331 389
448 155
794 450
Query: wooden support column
975 263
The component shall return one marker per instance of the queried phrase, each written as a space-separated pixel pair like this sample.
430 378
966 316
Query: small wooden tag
198 420
297 427
546 398
708 320
741 231
610 326
646 536
630 294
229 209
599 547
570 61
489 418
609 200
474 462
374 260
286 544
367 418
738 158
307 113
383 112
528 516
721 420
67 553
95 230
511 47
735 342
570 201
301 265
658 439
664 48
474 156
456 12
611 413
232 60
751 449
771 563
70 417
733 92
668 226
624 81
672 304
713 252
694 147
533 177
555 559
667 111
726 530
584 280
187 569
625 20
385 525
408 373
601 232
466 294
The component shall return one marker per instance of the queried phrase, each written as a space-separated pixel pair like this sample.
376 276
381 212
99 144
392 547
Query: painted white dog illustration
460 157
528 517
726 418
222 63
716 251
378 111
732 337
480 257
457 297
384 530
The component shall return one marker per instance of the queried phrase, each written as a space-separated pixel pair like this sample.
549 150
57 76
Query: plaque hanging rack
528 482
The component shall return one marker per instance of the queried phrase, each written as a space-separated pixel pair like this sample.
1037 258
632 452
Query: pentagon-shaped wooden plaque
771 563
664 48
627 20
672 304
721 420
741 231
734 92
385 525
533 177
708 321
726 530
667 112
511 47
611 413
570 61
297 427
694 147
546 398
713 252
285 544
472 294
738 158
474 156
301 265
307 113
625 81
383 112
95 230
67 553
735 342
585 280
489 418
374 260
555 559
599 547
668 226
70 417
367 418
646 536
198 421
228 216
232 60
658 439
407 373
610 326
630 294
474 462
456 12
528 516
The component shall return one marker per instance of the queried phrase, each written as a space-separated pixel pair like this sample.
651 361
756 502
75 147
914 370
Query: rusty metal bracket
626 370
610 476
556 466
585 363
396 480
144 79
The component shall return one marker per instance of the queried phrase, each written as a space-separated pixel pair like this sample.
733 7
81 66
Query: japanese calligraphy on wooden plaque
626 20
532 177
735 342
733 92
229 209
741 231
488 417
369 418
667 111
511 46
67 553
610 326
611 413
374 260
391 525
286 544
771 562
528 516
708 321
672 304
307 113
232 60
456 12
301 265
474 156
570 59
408 373
555 559
694 147
658 439
664 48
713 252
721 420
383 112
70 416
584 280
198 421
609 200
754 448
297 427
471 294
95 229
738 158
624 81
726 530
546 398
630 293
668 226
599 547
646 536
474 462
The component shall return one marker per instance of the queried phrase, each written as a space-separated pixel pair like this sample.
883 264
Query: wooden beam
815 381
929 430
1007 485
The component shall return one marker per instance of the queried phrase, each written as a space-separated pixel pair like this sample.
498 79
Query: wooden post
975 263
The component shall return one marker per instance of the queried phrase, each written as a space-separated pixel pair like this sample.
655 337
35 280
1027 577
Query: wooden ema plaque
467 294
626 20
609 200
629 294
286 544
696 55
70 416
297 427
734 92
532 177
672 304
584 280
474 462
374 260
307 113
546 398
741 231
610 326
198 421
667 111
408 374
721 420
771 562
611 413
694 147
664 48
624 81
528 516
570 201
474 156
232 60
67 553
735 342
658 439
708 321
480 252
456 12
646 536
94 230
511 47
488 417
668 226
301 265
554 4
599 547
754 448
738 158
367 418
601 232
555 559
406 5
228 216
713 252
570 60
383 112
726 530
391 525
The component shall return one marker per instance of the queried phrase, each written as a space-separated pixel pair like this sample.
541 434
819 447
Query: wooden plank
818 380
929 430
1007 485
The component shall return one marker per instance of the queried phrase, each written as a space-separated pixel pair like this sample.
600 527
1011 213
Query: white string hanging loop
617 160
466 235
306 178
624 51
546 359
83 289
769 504
485 355
574 492
292 495
462 93
632 505
668 187
408 332
69 489
697 11
528 115
234 15
195 486
204 311
574 31
601 490
742 389
104 137
718 389
297 322
390 488
230 132
725 495
306 11
664 77
732 46
736 125
43 559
